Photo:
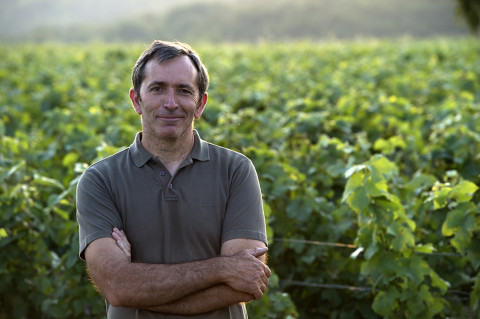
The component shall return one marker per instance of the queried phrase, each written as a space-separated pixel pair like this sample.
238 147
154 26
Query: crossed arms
238 275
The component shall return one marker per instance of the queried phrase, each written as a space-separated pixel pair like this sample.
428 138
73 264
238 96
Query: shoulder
224 153
230 162
106 167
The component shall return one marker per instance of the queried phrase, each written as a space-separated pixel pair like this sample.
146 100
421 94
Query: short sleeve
244 217
97 214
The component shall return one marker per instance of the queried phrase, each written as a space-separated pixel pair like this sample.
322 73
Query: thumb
257 252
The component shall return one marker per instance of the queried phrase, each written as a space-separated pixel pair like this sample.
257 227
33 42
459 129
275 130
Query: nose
171 103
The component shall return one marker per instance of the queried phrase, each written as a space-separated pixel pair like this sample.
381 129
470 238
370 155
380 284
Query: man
191 210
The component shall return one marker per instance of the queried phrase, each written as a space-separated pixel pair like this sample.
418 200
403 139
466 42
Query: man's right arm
141 285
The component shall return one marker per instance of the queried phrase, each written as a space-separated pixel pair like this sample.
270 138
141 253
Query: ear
135 101
201 106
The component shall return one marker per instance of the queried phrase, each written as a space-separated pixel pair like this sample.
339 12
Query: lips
169 117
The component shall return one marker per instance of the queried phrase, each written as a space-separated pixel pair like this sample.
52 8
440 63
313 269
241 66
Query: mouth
169 118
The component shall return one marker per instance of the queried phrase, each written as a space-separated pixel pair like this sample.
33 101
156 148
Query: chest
174 219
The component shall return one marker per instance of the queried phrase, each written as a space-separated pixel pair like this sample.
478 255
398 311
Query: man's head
163 51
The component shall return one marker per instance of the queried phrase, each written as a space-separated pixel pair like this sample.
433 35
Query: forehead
177 71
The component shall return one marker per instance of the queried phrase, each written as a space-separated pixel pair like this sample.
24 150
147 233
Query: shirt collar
200 148
140 155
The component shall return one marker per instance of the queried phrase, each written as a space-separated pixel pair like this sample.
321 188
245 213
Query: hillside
229 20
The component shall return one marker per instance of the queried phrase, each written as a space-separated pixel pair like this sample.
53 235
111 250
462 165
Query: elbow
108 289
115 299
113 293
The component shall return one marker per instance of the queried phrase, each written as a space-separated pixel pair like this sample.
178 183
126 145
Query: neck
171 152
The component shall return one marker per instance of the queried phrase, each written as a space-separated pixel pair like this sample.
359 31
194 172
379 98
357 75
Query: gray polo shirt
214 196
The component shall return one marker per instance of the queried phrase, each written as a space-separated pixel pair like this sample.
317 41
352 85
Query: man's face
169 99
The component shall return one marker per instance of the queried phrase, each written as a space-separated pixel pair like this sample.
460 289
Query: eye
185 91
157 89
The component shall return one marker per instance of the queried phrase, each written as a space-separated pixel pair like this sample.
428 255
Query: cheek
187 100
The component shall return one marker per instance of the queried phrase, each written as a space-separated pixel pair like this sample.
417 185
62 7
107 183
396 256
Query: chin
171 133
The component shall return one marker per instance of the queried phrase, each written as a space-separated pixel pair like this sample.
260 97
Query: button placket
170 193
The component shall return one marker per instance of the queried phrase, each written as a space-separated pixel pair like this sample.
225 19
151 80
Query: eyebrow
163 83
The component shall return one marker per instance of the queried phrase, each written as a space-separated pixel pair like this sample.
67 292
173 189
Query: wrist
224 269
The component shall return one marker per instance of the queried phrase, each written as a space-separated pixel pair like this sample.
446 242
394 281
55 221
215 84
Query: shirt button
170 185
162 173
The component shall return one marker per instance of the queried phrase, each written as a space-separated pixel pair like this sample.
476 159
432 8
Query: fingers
248 273
257 252
267 271
122 242
262 287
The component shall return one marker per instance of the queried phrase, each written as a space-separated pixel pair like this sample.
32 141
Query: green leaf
383 165
403 237
453 222
425 249
438 282
462 240
358 200
382 145
354 169
463 192
413 268
389 146
421 182
367 238
365 233
355 181
402 217
372 249
388 265
415 305
5 175
377 189
45 181
70 159
441 198
385 302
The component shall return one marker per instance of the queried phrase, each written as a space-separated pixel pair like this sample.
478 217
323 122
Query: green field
374 145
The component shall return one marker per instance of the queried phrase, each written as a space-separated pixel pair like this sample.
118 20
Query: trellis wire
322 243
347 287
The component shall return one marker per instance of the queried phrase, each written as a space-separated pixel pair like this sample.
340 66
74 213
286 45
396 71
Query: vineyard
368 155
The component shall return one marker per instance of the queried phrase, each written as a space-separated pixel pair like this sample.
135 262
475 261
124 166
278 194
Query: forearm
128 284
170 282
194 287
210 299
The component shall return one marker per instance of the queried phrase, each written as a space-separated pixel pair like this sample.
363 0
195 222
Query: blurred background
229 20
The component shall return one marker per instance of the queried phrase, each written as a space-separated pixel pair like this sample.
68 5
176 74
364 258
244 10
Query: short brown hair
163 51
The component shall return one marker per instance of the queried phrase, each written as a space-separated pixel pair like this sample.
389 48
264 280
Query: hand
122 242
247 273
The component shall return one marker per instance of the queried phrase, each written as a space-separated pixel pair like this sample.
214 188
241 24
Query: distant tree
470 11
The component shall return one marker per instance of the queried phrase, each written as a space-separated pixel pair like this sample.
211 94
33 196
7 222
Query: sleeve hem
245 234
91 238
